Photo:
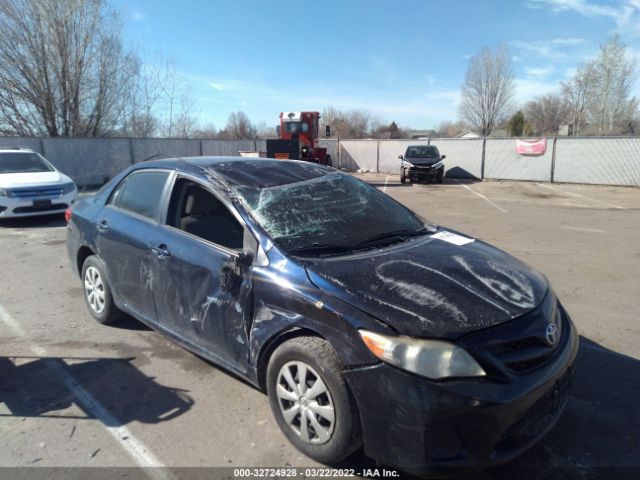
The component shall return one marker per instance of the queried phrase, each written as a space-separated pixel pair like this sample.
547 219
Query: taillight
67 215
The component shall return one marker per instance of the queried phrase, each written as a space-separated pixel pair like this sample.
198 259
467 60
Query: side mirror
442 157
400 157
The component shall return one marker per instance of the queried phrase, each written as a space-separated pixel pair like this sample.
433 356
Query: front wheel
311 400
403 176
440 177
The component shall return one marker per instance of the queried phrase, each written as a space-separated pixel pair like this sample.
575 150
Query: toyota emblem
551 334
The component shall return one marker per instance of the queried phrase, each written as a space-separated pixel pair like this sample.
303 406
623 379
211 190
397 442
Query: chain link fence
592 160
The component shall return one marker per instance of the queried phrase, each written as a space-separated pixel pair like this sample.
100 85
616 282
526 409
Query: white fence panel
464 156
502 162
358 155
601 161
389 151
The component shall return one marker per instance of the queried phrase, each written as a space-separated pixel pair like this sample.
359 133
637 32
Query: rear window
420 151
141 193
26 162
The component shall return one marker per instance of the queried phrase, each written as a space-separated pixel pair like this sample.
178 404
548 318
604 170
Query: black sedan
420 163
365 324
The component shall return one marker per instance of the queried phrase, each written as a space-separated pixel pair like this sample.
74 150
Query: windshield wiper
321 248
394 234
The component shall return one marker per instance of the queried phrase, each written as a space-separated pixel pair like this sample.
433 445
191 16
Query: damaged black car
365 324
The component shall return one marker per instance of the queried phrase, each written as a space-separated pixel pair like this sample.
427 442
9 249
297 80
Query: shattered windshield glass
334 209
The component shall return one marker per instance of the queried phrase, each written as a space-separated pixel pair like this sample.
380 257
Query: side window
195 210
141 193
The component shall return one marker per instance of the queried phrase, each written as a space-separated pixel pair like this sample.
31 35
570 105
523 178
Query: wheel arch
83 253
273 343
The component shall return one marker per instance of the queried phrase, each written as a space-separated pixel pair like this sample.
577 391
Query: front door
201 235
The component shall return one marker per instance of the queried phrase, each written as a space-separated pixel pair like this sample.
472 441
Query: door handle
103 226
161 251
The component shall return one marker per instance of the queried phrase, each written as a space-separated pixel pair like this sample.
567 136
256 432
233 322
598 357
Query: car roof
243 171
15 150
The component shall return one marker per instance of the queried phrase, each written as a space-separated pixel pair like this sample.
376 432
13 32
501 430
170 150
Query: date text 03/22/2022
293 472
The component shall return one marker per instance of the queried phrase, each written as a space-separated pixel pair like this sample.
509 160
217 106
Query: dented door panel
191 303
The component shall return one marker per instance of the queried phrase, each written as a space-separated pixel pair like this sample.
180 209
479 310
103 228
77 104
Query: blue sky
401 60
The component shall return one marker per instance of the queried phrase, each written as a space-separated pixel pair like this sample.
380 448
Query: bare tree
265 131
350 124
614 75
545 114
488 88
208 131
448 129
63 68
238 126
576 95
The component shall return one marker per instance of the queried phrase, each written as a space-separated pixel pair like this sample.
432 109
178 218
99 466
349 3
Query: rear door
200 236
127 227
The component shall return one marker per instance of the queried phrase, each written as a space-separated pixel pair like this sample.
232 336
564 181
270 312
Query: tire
339 434
403 177
440 177
100 305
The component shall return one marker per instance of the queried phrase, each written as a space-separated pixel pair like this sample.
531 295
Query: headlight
6 193
434 359
437 164
407 164
68 187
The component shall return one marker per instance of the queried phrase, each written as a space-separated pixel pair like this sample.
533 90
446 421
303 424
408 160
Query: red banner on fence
531 148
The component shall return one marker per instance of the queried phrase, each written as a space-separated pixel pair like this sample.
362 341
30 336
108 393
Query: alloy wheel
94 290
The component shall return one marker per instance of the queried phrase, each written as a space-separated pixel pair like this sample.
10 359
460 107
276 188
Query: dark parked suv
365 324
421 162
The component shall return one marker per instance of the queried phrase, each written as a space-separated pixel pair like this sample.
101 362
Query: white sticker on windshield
452 238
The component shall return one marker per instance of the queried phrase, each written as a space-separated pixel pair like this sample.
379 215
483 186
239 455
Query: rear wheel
97 293
311 401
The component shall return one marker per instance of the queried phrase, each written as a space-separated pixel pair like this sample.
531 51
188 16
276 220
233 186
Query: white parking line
386 182
493 204
581 196
137 450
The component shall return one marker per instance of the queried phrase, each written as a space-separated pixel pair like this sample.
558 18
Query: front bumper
426 427
11 207
417 174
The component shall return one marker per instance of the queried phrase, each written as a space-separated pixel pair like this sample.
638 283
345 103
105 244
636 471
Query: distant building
467 134
423 134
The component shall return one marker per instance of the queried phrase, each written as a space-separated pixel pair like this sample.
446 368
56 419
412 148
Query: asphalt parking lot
74 393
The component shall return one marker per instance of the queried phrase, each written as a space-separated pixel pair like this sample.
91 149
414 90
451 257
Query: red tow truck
298 138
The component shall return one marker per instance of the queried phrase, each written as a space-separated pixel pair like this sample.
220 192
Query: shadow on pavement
43 221
47 386
596 437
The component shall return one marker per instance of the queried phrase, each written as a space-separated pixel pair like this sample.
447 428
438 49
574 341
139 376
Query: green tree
394 131
516 124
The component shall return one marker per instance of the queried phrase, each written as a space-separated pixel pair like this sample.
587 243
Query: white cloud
539 72
626 15
554 48
529 88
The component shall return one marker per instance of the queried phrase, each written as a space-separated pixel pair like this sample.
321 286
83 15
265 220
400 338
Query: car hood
26 179
432 288
422 160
